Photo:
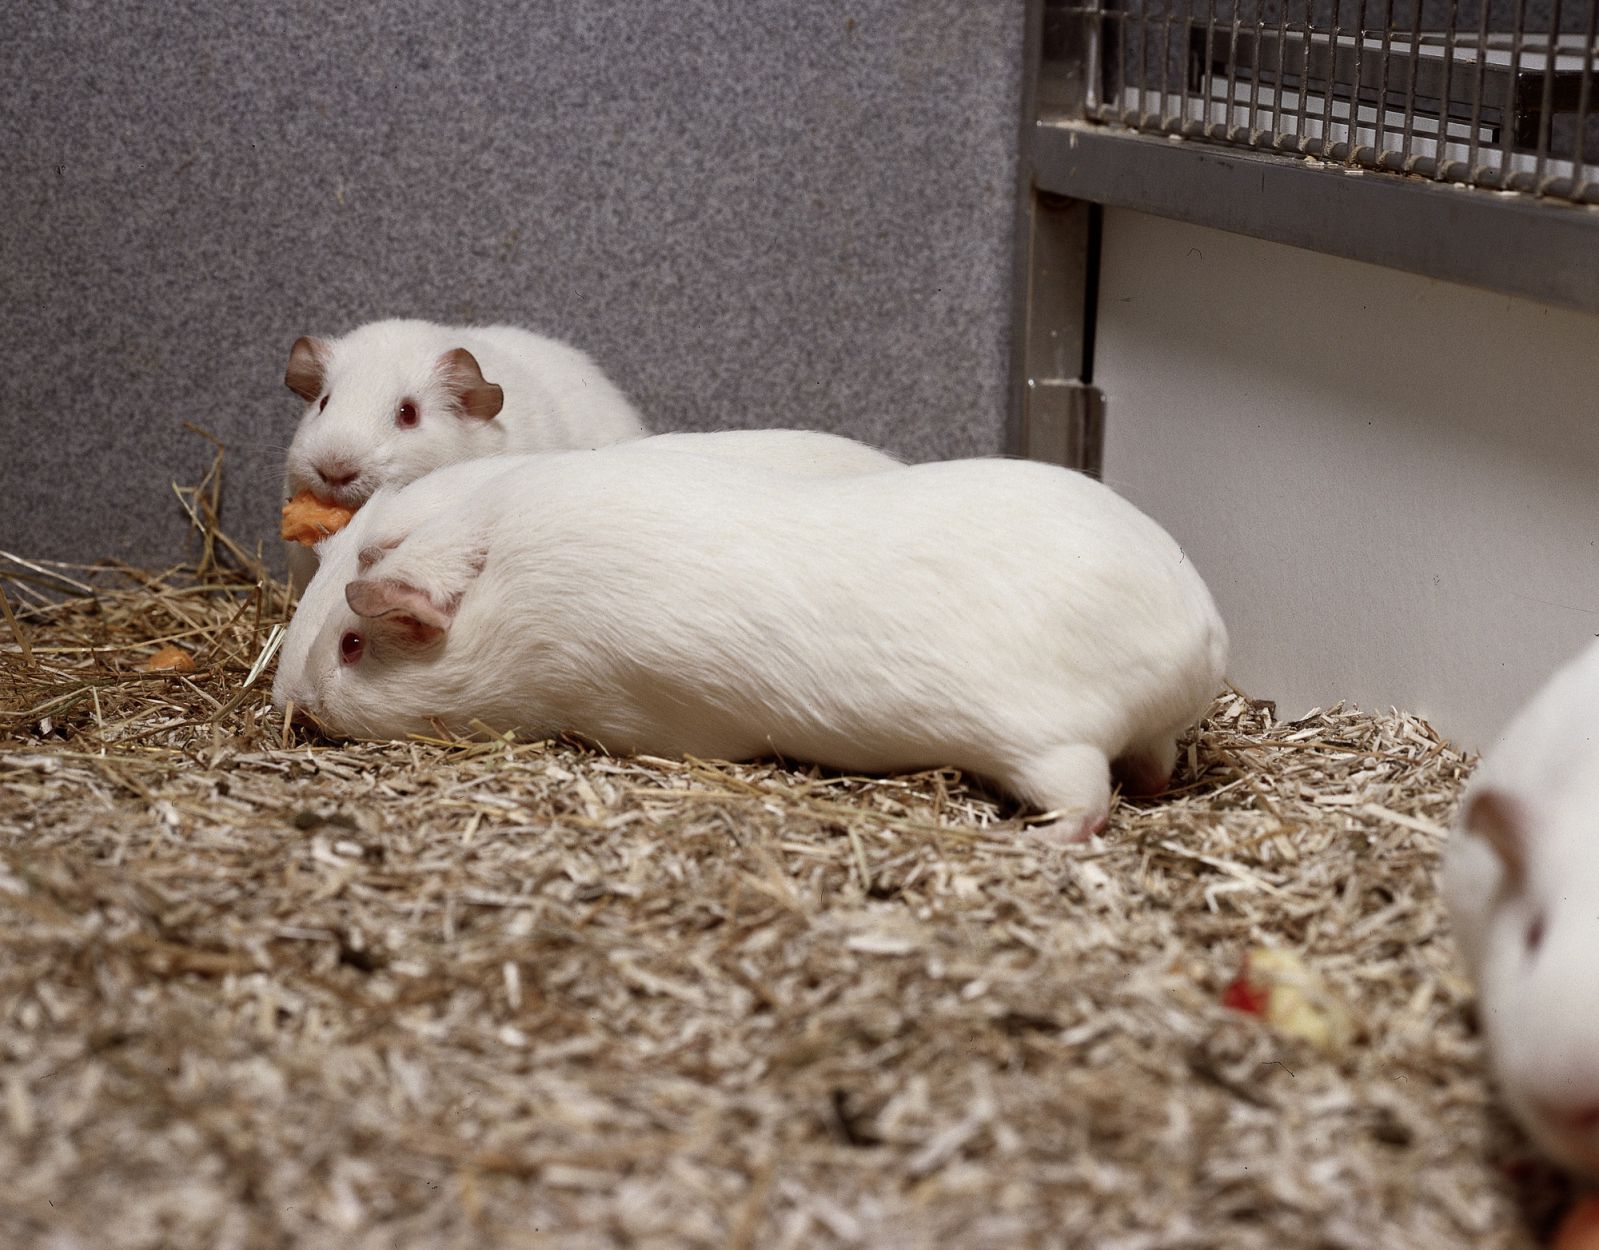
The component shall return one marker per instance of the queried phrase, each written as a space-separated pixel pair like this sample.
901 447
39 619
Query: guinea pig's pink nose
336 473
1574 1118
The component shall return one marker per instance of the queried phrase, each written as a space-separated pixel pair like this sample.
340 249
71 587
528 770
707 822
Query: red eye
406 417
351 646
323 406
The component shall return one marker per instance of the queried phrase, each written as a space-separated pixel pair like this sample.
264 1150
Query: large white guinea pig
1013 619
393 400
1521 878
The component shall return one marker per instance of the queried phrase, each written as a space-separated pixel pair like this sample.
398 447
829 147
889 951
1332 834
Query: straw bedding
263 990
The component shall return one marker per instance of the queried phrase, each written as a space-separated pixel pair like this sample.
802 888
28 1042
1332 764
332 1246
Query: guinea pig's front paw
1068 830
1072 786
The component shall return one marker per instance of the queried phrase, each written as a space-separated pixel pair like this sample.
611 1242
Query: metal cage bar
1492 99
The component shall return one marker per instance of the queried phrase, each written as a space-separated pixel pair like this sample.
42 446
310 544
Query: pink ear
371 554
308 367
1498 819
479 399
400 613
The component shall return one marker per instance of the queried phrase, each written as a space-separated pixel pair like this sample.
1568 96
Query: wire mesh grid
1498 94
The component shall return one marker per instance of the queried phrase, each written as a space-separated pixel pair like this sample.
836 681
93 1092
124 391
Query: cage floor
269 992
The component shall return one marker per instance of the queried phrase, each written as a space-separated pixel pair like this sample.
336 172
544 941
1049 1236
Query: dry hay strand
260 990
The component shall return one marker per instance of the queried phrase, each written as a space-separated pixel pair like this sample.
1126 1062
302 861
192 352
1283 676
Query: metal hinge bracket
1064 423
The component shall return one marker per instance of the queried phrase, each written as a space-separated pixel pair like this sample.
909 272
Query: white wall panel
1391 483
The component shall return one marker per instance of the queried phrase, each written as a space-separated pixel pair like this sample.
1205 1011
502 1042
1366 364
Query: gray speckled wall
753 213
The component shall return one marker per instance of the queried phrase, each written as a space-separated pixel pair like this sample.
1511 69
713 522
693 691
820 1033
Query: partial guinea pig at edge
1521 880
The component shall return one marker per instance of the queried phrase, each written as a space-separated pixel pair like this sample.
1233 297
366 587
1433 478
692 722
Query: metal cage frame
1489 223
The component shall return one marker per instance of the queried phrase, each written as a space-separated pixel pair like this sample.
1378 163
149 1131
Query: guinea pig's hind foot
1071 785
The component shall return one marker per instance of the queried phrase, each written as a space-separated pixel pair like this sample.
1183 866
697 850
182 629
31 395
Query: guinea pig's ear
400 612
477 398
308 367
1498 819
373 552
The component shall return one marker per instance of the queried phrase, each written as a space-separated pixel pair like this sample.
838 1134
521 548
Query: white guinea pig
1013 619
1521 879
393 400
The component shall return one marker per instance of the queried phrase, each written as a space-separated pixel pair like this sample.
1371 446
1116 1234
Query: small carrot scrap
308 520
1240 995
169 659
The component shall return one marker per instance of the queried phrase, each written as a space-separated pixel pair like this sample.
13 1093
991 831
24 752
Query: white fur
555 398
1538 1008
807 453
1012 619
